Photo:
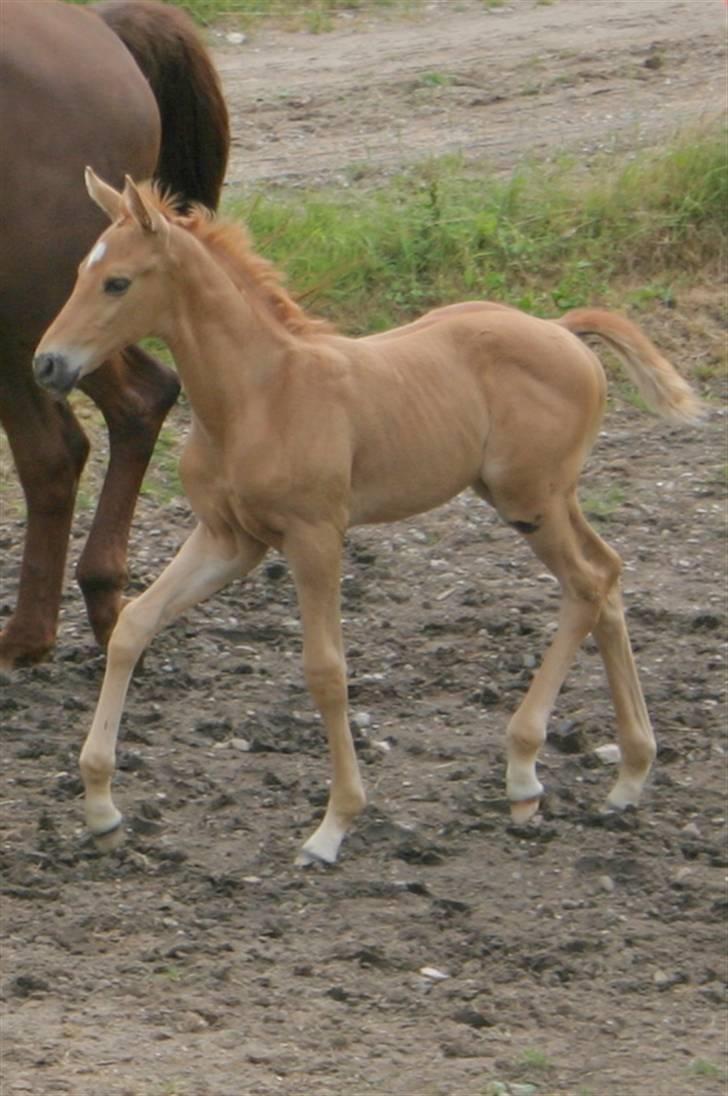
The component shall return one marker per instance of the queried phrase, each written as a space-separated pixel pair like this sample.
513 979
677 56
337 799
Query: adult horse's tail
195 129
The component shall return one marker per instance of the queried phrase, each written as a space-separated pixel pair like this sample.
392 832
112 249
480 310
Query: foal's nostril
54 371
44 367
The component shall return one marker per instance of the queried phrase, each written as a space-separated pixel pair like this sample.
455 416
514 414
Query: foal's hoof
111 840
524 810
308 859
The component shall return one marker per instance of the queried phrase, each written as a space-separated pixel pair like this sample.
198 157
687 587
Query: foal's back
461 397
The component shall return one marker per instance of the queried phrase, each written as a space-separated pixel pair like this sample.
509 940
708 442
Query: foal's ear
146 216
108 199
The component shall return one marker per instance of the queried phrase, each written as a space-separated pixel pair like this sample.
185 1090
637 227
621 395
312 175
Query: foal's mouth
55 372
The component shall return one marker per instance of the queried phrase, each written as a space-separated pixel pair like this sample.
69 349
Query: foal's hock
299 433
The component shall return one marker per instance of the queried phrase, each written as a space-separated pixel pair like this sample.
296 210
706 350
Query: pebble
361 720
190 1022
607 883
235 38
609 754
691 830
433 974
500 1088
240 744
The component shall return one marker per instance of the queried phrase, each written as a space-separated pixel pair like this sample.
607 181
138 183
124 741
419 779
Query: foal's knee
326 679
131 634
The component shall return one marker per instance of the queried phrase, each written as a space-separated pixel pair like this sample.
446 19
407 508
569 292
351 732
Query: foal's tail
658 382
165 44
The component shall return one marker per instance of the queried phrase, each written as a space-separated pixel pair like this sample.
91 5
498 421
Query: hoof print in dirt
472 1018
27 985
568 738
417 850
625 820
143 825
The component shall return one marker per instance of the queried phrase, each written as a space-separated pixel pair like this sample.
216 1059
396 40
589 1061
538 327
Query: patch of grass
701 1067
435 79
647 295
547 238
602 505
161 482
318 19
535 1059
171 973
168 1088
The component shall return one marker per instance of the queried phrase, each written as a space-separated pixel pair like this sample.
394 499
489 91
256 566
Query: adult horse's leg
588 572
49 449
134 393
203 565
315 559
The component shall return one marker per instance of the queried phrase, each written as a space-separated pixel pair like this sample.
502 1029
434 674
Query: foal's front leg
203 565
315 558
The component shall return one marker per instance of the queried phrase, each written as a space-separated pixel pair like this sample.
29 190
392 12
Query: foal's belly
402 488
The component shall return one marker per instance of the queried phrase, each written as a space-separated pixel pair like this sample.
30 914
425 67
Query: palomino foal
299 433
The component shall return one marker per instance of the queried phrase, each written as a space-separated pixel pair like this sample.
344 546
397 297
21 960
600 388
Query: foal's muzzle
55 372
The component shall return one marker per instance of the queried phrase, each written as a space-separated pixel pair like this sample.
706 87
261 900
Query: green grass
546 238
703 1068
535 1059
603 505
162 482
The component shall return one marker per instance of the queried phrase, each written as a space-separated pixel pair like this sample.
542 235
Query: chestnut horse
299 433
131 87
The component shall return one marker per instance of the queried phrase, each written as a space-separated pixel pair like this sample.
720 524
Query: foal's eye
116 286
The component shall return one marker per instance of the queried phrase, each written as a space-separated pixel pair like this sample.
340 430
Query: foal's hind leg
202 566
634 730
134 393
587 571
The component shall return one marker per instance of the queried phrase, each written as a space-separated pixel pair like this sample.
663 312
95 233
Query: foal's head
125 284
120 291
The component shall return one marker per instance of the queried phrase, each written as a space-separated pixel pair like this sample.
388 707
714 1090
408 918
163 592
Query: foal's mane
230 245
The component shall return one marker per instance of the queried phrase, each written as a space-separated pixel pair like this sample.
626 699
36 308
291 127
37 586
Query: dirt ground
498 84
448 953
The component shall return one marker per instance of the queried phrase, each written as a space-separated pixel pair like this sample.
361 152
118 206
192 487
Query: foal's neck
224 342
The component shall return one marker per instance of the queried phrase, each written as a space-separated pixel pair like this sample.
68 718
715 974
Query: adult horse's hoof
524 809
